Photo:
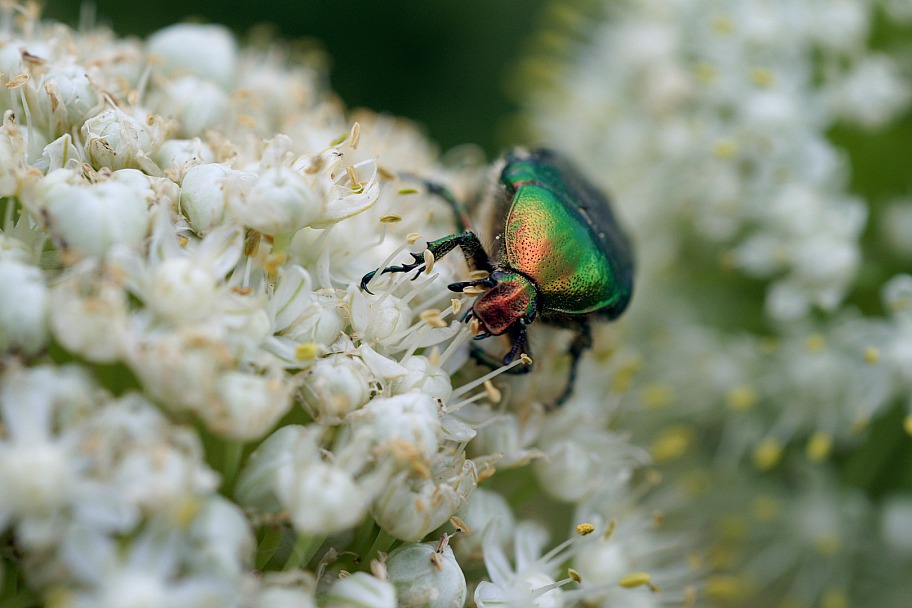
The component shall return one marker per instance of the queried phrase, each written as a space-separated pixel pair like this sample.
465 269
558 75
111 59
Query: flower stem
303 550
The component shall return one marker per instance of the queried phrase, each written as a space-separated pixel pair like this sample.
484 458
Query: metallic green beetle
560 256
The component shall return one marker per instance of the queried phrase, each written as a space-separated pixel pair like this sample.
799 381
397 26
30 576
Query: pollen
306 351
768 453
585 529
871 355
762 77
355 136
672 443
819 446
637 579
432 317
741 397
494 394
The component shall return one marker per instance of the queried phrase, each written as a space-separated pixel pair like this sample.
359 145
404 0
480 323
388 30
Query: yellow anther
635 579
526 359
356 186
612 526
474 290
815 343
762 77
456 305
411 237
407 191
829 544
741 397
819 446
478 275
765 508
585 529
671 443
767 453
656 396
725 587
494 394
355 135
725 148
871 355
907 424
307 351
574 575
428 261
722 25
392 218
432 317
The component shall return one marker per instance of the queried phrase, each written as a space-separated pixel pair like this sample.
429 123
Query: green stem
383 542
303 550
272 537
231 463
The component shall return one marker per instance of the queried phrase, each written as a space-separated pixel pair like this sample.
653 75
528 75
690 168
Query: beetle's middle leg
519 346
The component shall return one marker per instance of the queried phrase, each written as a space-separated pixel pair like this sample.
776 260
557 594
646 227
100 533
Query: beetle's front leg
474 253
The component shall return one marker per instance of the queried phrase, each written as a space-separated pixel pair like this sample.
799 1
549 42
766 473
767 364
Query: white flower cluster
199 406
764 398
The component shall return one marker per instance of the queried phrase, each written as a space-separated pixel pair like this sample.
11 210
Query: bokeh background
445 65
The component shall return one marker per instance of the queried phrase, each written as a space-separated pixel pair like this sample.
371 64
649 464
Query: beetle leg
517 335
460 211
461 286
581 342
474 253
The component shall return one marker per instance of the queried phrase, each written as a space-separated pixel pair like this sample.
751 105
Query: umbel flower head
198 406
763 393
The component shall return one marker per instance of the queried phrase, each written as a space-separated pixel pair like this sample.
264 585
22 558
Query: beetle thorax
513 298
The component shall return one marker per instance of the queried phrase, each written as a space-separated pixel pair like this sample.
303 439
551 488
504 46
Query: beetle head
513 299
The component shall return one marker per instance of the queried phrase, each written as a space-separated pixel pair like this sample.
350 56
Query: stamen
462 390
355 135
428 261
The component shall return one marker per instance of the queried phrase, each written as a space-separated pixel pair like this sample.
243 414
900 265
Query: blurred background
441 64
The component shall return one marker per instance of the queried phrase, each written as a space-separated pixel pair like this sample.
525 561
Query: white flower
406 424
89 218
361 590
120 140
426 575
410 508
202 196
206 51
23 307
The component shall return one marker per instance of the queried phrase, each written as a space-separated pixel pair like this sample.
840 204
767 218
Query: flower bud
334 387
90 218
414 507
196 103
202 196
488 516
89 316
280 201
247 405
119 140
222 539
65 98
423 377
207 51
23 307
425 577
361 590
176 154
406 421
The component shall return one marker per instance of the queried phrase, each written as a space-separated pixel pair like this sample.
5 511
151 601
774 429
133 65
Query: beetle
560 256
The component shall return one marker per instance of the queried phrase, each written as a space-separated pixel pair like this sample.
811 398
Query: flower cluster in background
777 412
199 406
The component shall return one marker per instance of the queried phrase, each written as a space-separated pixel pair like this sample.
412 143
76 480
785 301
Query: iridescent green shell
560 233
